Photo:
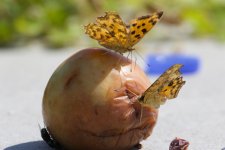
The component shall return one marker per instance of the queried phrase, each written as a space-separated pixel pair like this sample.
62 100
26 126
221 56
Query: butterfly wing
167 86
100 34
114 24
96 32
111 33
140 26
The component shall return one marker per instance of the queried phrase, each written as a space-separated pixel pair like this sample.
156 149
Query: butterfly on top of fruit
111 32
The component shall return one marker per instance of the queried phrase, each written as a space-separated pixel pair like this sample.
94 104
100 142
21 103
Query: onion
90 102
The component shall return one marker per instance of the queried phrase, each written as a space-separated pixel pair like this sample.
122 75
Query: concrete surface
197 115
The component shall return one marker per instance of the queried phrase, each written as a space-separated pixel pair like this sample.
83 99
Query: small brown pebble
179 144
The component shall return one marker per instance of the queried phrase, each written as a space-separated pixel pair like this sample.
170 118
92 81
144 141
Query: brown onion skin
86 107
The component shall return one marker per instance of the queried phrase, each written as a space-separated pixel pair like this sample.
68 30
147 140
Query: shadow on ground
34 145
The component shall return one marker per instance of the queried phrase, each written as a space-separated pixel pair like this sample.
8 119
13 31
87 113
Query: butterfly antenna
143 60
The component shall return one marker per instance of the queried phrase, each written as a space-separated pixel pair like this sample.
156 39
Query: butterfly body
167 86
111 32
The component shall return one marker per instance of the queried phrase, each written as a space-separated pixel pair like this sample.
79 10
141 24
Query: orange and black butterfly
167 86
111 32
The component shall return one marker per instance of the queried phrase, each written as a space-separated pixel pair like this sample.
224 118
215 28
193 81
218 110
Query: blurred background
37 35
59 23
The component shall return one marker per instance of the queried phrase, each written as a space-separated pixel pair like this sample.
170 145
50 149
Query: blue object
159 63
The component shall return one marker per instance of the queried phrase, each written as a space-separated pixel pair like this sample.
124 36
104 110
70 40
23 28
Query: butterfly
111 32
167 86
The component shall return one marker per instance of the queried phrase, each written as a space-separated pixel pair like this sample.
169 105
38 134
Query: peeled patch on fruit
90 102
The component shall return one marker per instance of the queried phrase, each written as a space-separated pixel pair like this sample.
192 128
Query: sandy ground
197 115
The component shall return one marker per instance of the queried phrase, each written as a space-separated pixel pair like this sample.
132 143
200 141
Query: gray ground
197 115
